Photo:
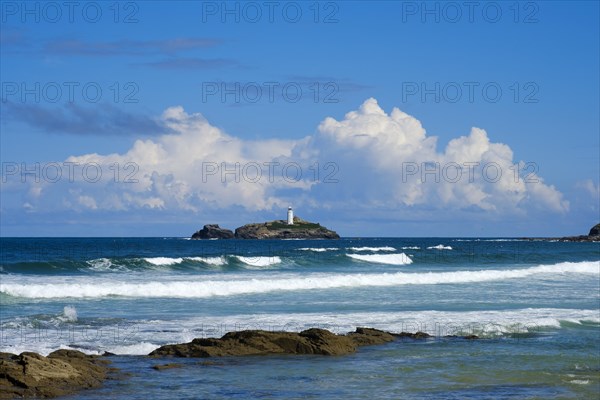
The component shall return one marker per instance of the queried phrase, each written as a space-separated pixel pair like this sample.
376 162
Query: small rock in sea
416 335
160 367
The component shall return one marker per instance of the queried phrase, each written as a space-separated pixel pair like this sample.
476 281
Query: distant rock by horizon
213 231
277 229
592 236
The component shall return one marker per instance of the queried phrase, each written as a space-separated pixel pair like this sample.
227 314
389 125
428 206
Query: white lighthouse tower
290 216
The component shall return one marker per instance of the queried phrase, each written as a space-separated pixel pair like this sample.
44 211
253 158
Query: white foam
44 348
100 264
439 247
489 240
394 259
209 260
105 265
259 261
503 240
385 248
150 334
69 314
163 260
137 349
490 323
199 287
318 249
411 248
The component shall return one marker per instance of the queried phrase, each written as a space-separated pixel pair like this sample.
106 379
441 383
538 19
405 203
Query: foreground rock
213 231
258 342
279 229
62 372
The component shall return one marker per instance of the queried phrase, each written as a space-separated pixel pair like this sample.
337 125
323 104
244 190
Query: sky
397 119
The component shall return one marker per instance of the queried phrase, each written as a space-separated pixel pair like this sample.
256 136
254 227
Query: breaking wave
385 248
80 287
439 247
209 260
318 249
259 261
393 259
163 260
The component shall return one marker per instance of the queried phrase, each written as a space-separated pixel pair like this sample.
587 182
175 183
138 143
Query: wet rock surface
258 342
62 372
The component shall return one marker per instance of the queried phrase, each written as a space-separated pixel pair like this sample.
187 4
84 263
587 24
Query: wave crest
439 247
80 287
259 261
393 259
384 248
216 261
318 249
159 261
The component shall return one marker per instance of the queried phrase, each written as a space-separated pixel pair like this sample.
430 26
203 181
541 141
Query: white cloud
87 202
589 186
379 160
199 165
399 161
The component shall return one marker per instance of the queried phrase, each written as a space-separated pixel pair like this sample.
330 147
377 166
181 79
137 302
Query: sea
535 306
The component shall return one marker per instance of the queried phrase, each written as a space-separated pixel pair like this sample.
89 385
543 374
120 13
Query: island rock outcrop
279 229
213 231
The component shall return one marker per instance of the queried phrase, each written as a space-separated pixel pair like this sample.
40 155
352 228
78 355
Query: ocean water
536 306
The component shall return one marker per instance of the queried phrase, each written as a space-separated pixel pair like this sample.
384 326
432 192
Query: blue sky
162 99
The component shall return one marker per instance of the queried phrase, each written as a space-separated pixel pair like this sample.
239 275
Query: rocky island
279 229
293 228
213 231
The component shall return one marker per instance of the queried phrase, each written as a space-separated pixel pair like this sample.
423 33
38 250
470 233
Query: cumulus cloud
369 159
393 157
198 165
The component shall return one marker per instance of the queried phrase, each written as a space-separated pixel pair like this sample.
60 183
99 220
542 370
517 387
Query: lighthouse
290 216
